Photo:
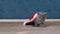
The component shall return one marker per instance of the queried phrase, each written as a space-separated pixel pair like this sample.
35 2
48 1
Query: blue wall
17 9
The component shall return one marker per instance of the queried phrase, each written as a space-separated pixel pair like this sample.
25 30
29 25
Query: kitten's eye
38 13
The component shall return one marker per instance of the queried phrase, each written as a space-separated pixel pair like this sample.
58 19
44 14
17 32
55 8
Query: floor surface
18 28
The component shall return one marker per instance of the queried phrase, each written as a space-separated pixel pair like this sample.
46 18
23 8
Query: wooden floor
18 28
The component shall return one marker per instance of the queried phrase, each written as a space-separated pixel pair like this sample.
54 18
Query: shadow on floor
52 24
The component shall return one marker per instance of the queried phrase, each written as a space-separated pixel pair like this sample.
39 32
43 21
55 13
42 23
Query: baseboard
22 20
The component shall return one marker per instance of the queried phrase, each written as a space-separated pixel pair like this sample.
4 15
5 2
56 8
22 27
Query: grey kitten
39 20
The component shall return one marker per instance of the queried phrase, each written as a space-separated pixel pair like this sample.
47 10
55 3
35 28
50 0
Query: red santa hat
33 16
